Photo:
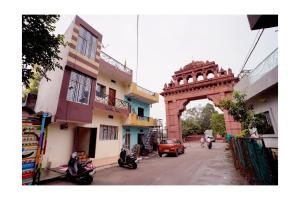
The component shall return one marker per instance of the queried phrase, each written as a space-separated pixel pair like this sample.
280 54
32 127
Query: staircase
153 136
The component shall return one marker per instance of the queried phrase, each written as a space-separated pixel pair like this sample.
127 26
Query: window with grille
86 43
108 132
79 88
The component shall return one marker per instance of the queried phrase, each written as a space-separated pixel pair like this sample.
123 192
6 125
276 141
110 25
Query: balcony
135 120
142 94
112 104
114 69
261 77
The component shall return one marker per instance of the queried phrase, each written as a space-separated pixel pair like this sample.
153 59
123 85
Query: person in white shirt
202 142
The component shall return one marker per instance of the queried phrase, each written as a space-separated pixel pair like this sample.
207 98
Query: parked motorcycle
128 160
80 172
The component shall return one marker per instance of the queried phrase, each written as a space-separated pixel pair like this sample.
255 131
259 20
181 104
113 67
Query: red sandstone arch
178 96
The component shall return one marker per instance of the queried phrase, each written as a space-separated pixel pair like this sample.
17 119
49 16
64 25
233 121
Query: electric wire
249 54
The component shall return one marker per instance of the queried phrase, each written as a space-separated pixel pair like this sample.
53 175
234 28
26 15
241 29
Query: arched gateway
197 80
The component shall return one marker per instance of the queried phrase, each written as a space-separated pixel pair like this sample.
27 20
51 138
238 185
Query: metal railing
115 63
155 121
254 161
118 103
270 62
141 89
143 118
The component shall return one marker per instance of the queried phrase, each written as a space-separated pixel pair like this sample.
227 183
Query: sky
168 42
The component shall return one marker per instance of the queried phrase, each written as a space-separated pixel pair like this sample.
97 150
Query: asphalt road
197 166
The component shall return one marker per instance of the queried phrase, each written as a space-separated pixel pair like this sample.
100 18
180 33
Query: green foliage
40 48
189 127
218 124
33 85
239 110
206 114
244 133
196 120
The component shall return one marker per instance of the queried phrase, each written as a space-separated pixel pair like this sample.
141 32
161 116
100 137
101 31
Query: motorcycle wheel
134 165
87 180
120 162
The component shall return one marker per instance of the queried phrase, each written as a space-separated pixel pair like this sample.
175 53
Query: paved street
196 167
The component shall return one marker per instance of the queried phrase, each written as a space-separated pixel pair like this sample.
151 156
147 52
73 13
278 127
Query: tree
33 85
189 127
239 110
196 120
205 118
191 121
40 47
218 124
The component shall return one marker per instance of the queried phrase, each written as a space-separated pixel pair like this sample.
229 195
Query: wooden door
112 97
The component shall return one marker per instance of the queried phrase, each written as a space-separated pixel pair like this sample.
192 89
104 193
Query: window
167 142
262 122
79 88
86 44
100 90
140 112
108 132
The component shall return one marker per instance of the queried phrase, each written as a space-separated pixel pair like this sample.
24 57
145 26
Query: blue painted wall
136 103
134 131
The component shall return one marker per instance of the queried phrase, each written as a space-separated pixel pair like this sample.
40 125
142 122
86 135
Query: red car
170 146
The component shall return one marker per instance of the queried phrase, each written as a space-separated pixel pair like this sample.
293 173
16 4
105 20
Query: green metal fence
254 161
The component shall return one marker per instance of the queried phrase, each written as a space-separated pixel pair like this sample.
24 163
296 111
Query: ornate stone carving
177 96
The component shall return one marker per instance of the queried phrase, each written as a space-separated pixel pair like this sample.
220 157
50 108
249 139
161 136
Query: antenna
137 48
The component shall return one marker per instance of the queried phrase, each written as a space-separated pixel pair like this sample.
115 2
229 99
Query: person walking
202 142
209 143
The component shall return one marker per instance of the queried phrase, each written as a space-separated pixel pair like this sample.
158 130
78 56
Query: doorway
140 112
111 97
127 139
141 138
85 142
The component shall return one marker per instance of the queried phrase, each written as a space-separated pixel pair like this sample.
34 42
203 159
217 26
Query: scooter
127 160
209 144
80 173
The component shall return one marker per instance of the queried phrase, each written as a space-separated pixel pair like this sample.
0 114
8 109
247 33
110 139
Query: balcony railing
143 118
115 63
141 89
135 120
118 103
270 62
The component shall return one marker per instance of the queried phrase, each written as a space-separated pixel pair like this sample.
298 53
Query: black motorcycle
128 160
80 172
209 144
